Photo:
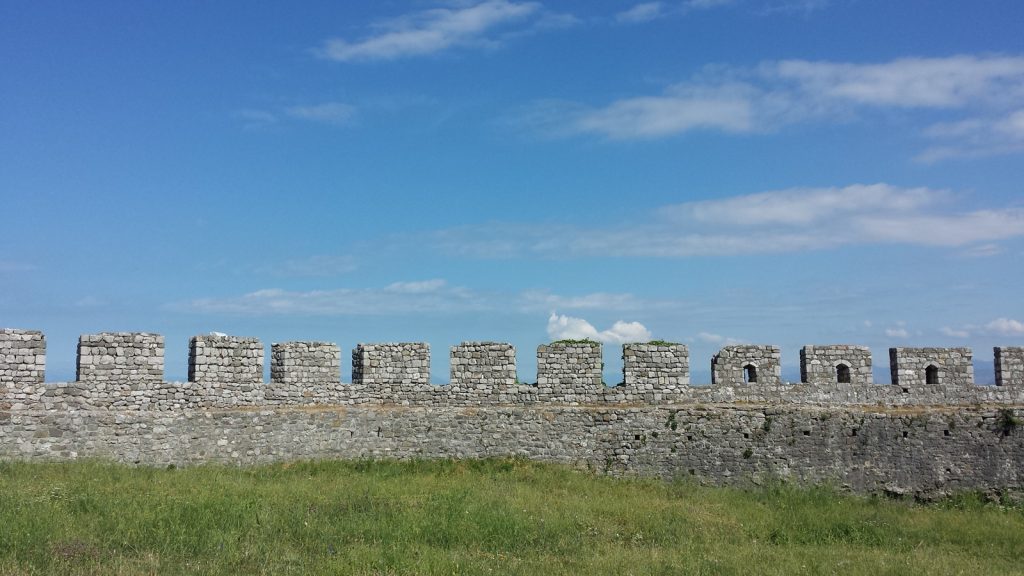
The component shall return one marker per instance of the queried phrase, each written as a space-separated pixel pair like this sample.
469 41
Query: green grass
473 517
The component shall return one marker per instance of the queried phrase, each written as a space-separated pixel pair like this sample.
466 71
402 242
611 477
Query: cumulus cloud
432 31
774 94
1005 327
561 327
779 221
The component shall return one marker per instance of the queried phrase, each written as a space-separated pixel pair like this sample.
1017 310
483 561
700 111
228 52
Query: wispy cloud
711 338
643 12
428 296
997 327
780 221
419 296
431 31
774 94
976 137
312 266
253 119
561 327
336 113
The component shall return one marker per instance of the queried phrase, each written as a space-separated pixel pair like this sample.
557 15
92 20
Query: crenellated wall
912 437
912 367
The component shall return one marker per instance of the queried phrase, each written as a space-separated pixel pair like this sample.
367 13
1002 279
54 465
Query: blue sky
707 171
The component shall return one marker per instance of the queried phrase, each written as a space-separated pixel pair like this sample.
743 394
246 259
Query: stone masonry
389 369
655 368
22 356
736 364
217 358
570 370
483 366
823 364
121 357
858 435
950 366
308 372
1009 366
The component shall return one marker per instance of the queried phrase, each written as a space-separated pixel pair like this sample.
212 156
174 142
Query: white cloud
337 113
778 93
711 338
561 327
946 330
431 31
1006 327
779 221
253 119
317 265
981 251
543 300
976 137
642 12
897 333
429 296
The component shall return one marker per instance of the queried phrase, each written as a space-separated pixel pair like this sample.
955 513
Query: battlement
747 424
125 371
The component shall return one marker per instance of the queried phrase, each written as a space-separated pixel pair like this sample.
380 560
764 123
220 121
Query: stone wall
482 369
738 364
910 367
824 364
570 371
655 371
926 454
305 372
120 357
1009 364
398 372
221 358
22 357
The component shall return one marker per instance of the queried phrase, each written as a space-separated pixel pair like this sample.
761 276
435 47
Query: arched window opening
843 374
931 375
750 374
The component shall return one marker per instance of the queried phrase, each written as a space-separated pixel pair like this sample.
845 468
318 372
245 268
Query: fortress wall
118 357
22 358
484 371
821 364
304 373
655 372
1009 364
569 371
923 453
730 366
398 374
910 366
393 372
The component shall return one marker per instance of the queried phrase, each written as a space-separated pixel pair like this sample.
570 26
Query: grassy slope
498 516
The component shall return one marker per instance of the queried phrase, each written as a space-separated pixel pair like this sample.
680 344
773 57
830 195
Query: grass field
473 517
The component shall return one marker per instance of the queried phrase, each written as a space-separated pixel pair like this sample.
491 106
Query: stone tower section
22 357
216 358
746 364
120 357
655 367
569 368
1009 366
391 369
835 364
483 366
931 367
